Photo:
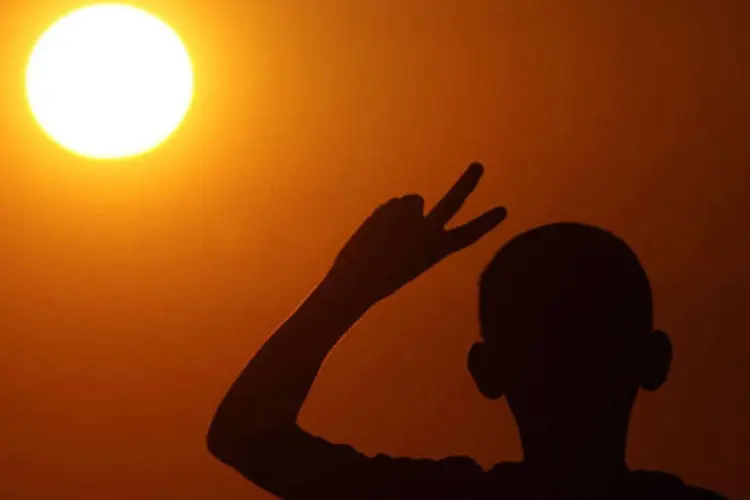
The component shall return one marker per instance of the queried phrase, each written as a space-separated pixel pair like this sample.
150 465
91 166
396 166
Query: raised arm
254 429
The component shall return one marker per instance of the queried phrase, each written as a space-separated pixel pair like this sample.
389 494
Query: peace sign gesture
398 242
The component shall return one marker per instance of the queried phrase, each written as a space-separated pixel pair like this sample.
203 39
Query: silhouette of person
567 338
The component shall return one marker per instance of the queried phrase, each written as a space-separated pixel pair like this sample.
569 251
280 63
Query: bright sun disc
109 81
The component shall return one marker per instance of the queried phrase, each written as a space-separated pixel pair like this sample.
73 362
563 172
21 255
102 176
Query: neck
576 464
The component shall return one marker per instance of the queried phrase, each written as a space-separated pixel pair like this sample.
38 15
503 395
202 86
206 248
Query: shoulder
384 476
668 484
695 493
292 463
449 467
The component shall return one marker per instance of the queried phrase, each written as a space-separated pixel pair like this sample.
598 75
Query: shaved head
566 320
565 277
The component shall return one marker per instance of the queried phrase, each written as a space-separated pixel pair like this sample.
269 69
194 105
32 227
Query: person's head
567 334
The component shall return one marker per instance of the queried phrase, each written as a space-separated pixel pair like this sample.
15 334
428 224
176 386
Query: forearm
394 245
270 391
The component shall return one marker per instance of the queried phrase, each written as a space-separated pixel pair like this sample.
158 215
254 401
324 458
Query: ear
483 367
655 361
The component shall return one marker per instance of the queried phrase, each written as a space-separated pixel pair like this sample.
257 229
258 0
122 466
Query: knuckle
411 197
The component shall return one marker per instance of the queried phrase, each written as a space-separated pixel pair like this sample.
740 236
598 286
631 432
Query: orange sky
132 293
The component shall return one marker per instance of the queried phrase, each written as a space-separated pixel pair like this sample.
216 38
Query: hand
398 242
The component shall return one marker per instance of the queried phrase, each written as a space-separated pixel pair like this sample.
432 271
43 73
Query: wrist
342 296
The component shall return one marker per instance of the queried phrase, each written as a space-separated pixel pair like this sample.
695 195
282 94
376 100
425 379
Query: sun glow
109 81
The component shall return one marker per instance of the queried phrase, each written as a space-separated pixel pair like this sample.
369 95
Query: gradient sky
132 293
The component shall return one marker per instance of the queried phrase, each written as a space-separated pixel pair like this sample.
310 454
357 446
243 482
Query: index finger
451 203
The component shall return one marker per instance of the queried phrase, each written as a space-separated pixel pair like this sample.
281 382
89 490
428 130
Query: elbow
241 450
220 442
230 444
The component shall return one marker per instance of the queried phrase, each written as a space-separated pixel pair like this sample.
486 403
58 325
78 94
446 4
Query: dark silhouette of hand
398 242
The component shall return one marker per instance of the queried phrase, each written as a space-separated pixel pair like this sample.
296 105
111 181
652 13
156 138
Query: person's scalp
569 275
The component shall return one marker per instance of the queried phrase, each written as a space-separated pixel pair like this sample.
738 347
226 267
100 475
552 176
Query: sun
109 81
